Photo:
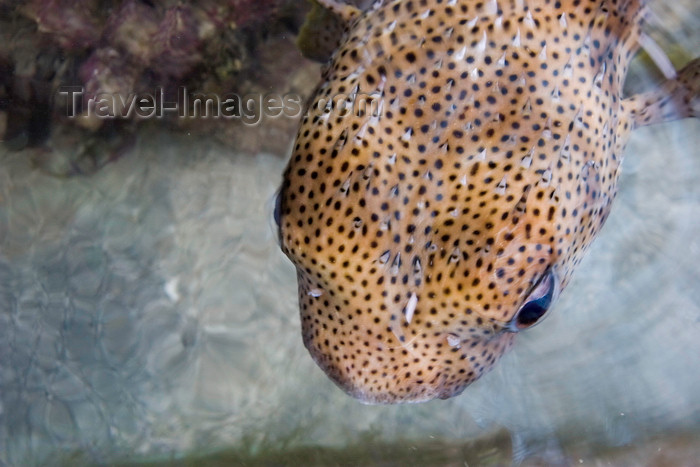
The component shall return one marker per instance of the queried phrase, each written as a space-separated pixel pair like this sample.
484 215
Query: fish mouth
379 353
410 378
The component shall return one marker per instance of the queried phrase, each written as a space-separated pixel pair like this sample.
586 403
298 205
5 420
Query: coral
74 24
131 29
122 48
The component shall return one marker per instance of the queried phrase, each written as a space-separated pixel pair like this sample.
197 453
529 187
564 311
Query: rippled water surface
146 312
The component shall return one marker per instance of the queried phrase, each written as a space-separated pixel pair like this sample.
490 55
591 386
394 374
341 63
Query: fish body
431 224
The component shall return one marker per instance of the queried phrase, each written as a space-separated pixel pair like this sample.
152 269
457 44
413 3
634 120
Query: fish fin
324 28
674 99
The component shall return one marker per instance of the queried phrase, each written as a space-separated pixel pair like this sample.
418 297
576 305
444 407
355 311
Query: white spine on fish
481 46
411 307
516 39
529 21
492 7
501 187
315 293
453 340
461 53
657 55
562 20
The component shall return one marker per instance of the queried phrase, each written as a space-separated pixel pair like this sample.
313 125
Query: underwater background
148 315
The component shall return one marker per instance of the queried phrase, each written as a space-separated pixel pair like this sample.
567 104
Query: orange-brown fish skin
418 234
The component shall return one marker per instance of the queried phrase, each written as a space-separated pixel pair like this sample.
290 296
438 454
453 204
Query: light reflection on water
146 310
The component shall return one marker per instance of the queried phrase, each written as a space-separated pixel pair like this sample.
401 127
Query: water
147 313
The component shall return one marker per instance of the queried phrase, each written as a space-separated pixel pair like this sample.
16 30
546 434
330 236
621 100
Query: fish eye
277 213
537 304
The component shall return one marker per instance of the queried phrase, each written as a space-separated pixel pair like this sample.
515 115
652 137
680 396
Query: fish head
425 235
412 291
429 229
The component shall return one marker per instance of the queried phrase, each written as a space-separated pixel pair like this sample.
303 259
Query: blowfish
431 228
